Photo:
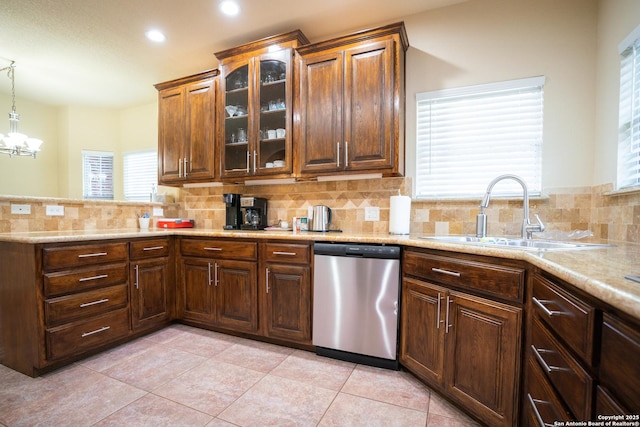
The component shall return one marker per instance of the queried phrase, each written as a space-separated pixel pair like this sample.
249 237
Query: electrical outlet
20 209
158 212
372 213
54 210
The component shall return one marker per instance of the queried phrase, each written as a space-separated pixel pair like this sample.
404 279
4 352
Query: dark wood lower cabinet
465 346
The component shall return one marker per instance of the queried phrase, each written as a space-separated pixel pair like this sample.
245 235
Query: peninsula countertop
599 272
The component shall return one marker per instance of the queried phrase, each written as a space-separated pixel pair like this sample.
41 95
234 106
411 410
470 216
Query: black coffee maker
254 213
234 215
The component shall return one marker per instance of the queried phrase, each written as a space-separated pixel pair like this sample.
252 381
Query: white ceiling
94 52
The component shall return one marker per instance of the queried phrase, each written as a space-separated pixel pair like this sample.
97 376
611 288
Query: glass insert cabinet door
257 116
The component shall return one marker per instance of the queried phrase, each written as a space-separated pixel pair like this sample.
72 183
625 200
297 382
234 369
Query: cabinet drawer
77 306
542 405
573 383
142 249
219 249
54 258
77 337
287 252
620 362
485 277
78 280
572 319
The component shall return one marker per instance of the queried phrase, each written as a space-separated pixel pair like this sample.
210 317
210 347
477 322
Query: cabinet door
236 295
482 356
321 109
200 130
273 112
287 293
150 281
171 134
369 134
196 299
422 333
235 136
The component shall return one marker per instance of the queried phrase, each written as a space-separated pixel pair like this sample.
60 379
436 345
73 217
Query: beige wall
616 19
26 176
571 42
484 41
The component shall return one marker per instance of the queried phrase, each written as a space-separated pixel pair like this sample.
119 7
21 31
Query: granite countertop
599 272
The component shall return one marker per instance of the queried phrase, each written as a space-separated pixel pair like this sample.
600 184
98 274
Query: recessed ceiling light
156 36
229 7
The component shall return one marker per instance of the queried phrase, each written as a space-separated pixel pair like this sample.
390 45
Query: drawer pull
212 249
447 325
92 255
545 365
450 273
550 313
533 402
104 328
99 276
153 248
284 253
100 301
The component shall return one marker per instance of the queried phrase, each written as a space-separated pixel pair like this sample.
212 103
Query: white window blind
140 174
629 114
465 137
97 175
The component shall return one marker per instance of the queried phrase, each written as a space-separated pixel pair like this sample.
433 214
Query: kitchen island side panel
19 311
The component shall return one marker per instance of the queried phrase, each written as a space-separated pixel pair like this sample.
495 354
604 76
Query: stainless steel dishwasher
355 302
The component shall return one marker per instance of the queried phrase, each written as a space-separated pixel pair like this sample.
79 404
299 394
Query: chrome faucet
527 228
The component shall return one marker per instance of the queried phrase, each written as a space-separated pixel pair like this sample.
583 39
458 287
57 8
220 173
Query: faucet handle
540 226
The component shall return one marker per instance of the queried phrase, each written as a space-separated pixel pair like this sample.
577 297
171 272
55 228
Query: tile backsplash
606 215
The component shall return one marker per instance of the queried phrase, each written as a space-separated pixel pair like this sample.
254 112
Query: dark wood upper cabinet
186 129
351 113
255 107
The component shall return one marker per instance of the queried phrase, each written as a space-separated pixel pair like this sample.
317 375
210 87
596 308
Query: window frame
425 141
105 192
130 194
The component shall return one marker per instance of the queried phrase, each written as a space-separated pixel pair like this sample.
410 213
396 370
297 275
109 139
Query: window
97 175
140 174
465 137
629 113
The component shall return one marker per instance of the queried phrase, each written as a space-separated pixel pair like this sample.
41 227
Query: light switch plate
54 210
158 212
20 209
372 213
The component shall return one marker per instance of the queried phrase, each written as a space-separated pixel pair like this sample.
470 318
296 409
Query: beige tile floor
183 376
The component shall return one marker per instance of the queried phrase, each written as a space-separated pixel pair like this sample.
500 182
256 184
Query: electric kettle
321 218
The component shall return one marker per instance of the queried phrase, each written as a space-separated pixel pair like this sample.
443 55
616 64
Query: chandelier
16 143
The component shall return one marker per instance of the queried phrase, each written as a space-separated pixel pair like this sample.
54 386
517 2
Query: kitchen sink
517 243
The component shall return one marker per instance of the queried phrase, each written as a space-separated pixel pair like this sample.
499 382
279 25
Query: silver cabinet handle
212 249
88 304
99 276
438 321
137 275
184 168
92 255
533 402
104 328
545 365
180 167
209 274
284 253
217 279
267 278
450 273
153 248
550 313
338 156
248 160
446 322
346 154
255 155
